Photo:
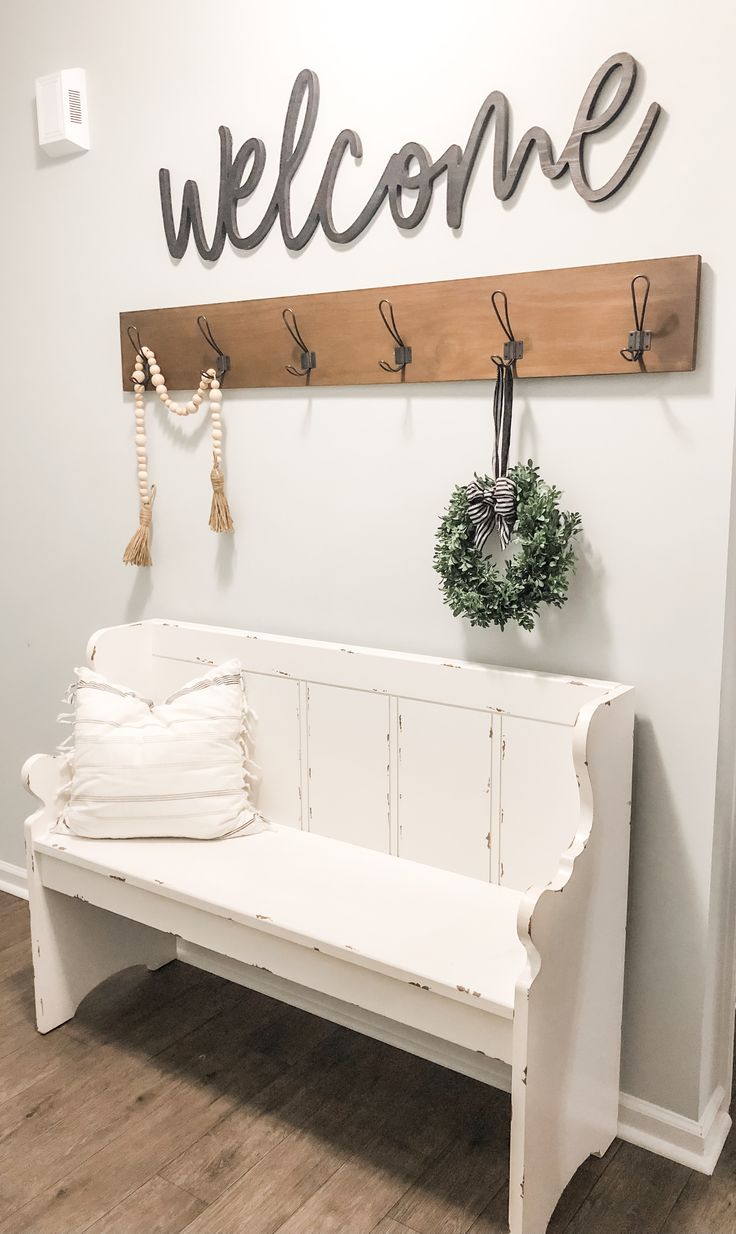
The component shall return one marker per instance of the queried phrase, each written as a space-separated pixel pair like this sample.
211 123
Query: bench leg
77 945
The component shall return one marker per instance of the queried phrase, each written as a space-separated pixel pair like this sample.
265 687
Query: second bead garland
138 551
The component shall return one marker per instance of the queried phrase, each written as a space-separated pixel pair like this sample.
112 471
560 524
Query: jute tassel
220 517
138 552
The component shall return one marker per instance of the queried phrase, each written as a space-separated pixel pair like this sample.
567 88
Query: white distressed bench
447 872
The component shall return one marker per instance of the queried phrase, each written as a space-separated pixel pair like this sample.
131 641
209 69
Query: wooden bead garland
138 551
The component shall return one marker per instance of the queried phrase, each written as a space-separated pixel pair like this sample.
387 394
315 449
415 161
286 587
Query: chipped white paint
75 944
444 781
348 761
388 750
539 806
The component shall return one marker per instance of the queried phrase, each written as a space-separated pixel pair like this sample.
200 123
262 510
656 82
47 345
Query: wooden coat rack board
573 322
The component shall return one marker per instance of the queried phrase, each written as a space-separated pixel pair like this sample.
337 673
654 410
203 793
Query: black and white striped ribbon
492 506
492 503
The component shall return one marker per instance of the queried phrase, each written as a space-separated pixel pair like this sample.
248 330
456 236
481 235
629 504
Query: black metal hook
640 340
402 353
138 349
223 361
513 348
307 359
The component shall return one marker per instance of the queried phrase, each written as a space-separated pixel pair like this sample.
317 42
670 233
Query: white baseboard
13 880
696 1143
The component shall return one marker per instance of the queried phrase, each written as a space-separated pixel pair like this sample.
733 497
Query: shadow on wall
584 626
665 948
140 594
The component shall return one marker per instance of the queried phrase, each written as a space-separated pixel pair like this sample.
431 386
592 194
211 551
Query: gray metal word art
410 169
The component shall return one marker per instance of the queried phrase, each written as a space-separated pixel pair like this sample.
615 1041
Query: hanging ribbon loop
492 503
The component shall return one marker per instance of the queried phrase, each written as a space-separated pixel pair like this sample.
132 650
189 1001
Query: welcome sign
411 170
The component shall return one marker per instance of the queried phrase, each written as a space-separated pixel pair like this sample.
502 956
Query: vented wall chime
138 552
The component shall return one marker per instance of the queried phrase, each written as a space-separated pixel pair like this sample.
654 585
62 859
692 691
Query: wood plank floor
175 1101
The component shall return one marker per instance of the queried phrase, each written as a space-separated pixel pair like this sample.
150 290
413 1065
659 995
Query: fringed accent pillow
176 768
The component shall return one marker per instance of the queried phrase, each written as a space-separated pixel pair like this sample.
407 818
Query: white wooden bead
197 399
162 393
157 380
139 389
140 439
155 368
215 395
190 407
217 434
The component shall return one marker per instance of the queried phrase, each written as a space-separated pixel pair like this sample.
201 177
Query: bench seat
455 935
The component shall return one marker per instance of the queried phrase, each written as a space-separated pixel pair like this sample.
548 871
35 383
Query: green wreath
539 573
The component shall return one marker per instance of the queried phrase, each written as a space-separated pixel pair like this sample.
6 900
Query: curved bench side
568 1005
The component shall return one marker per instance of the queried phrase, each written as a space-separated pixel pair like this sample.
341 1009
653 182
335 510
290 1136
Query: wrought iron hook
137 346
402 353
222 365
513 348
640 340
307 359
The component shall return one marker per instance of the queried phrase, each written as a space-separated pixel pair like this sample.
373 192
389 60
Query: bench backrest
455 764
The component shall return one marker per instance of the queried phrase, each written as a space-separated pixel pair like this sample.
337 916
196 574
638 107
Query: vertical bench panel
348 760
540 800
277 792
445 759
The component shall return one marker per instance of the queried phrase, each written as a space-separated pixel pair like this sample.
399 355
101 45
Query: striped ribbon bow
492 505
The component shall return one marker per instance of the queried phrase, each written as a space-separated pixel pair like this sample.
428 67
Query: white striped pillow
176 768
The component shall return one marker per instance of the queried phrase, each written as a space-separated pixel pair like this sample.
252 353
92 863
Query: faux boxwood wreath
539 573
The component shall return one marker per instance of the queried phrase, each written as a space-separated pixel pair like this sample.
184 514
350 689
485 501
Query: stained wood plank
282 1181
39 1059
389 1226
15 925
573 321
212 1071
61 1121
707 1205
224 1154
360 1191
395 1141
451 1194
495 1217
10 903
14 958
636 1193
158 1207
